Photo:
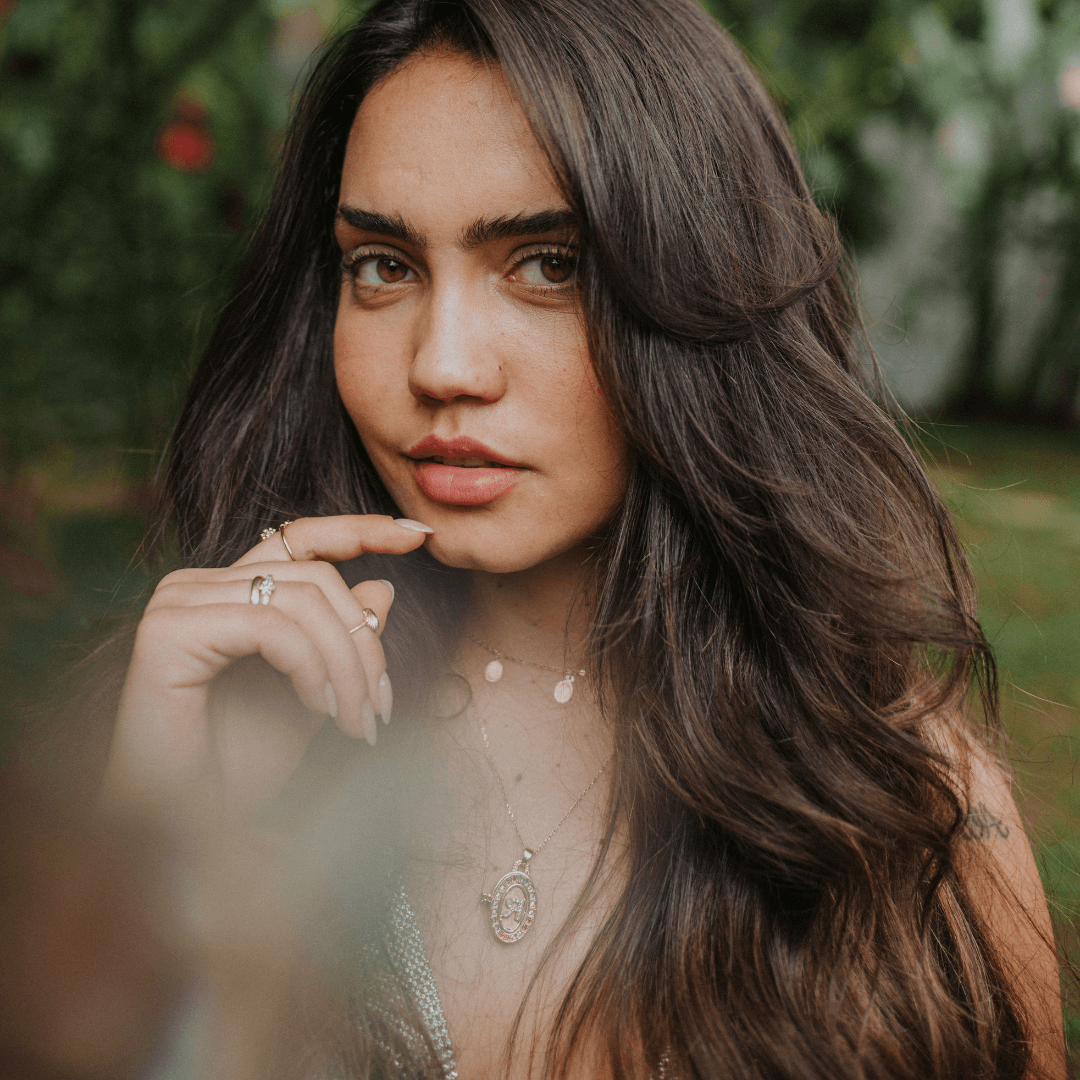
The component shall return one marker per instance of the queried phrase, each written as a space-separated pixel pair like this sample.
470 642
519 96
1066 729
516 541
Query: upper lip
462 446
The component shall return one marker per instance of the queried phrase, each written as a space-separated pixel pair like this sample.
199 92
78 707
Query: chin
466 554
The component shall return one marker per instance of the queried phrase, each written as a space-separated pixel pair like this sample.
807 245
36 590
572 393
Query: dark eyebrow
482 231
546 221
394 227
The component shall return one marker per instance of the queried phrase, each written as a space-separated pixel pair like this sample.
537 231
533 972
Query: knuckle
155 627
174 577
309 590
167 592
325 574
273 615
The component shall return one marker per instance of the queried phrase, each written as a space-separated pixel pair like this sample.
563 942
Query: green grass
1016 493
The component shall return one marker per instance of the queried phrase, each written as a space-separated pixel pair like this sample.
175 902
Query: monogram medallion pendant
512 906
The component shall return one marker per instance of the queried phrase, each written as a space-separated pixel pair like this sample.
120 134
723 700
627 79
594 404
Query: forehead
442 140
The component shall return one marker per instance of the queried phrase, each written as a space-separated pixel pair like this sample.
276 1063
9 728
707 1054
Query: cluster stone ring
273 531
262 588
371 621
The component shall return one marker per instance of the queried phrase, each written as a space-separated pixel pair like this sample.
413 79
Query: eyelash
554 251
352 259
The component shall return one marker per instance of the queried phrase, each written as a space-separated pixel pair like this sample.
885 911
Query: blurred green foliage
993 86
136 140
111 261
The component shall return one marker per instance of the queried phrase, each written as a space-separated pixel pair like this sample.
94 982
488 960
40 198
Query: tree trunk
976 395
1052 382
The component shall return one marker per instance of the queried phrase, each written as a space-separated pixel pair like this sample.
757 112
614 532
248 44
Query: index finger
335 539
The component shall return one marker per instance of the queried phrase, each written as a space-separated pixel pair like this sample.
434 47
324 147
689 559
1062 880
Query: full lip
462 471
459 448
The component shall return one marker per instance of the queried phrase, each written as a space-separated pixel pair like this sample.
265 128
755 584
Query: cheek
600 447
362 380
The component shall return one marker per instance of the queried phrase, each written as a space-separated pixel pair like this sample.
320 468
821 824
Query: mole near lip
458 485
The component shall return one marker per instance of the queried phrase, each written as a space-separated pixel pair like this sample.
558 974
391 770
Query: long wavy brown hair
782 611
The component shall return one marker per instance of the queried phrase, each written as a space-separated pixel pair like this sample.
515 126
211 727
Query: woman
543 338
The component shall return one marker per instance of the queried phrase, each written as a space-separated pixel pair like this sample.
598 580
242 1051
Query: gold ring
273 530
281 529
371 621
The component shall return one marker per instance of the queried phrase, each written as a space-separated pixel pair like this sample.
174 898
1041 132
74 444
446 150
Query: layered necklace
493 672
512 903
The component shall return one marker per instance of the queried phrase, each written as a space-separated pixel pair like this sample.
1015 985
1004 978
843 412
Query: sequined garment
407 952
408 956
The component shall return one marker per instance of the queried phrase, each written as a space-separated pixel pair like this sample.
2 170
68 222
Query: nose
456 356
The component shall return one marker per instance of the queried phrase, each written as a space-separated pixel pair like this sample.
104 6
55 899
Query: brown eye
557 270
547 270
376 270
390 270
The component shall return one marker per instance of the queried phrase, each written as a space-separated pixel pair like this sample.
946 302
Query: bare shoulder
1003 884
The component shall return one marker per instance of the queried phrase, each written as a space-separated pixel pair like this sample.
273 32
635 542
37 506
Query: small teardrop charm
564 690
494 671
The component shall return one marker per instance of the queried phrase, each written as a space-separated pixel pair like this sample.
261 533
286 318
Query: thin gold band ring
281 529
267 533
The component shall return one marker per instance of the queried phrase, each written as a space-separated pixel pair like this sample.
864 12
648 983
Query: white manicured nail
331 700
367 714
386 697
390 586
416 526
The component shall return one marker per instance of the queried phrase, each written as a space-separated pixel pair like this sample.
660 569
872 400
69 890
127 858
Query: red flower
186 146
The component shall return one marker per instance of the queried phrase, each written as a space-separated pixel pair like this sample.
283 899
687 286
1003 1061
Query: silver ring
371 621
262 588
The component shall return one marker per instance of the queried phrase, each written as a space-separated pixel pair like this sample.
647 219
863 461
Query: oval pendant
564 690
513 906
494 671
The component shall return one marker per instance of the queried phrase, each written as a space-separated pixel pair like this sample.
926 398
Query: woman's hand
172 735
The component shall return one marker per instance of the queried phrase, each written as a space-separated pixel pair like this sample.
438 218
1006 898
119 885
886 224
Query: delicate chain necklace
512 905
564 689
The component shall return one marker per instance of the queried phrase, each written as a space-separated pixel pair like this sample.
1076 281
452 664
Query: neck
539 614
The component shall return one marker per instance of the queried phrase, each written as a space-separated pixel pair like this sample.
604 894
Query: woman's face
459 348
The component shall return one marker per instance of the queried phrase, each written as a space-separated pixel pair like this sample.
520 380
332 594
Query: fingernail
367 714
386 697
416 526
331 700
390 586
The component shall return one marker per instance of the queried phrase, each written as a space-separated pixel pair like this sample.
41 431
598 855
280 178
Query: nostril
454 394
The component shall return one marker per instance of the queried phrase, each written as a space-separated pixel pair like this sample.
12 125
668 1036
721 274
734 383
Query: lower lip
456 486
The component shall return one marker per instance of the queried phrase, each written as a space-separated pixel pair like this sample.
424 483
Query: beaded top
407 952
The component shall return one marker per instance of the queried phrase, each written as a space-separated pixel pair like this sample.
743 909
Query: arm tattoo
982 823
